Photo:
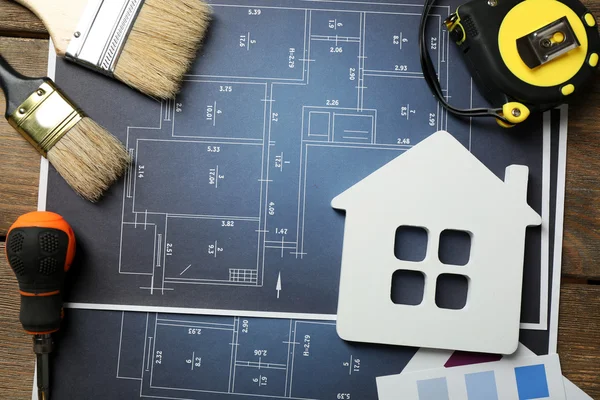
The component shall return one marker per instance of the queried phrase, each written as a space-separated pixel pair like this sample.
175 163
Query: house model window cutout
438 186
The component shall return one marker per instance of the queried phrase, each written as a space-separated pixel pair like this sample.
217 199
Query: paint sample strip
436 358
509 379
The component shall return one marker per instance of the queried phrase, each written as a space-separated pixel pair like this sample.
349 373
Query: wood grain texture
19 162
15 20
581 246
16 354
579 336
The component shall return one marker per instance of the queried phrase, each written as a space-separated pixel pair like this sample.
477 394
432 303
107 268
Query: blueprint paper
226 210
169 356
120 343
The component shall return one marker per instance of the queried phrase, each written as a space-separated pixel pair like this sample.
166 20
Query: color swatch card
435 358
524 379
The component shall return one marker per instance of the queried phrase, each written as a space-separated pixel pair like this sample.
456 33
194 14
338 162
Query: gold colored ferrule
45 117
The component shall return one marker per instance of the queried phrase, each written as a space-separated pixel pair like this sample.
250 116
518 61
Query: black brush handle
16 87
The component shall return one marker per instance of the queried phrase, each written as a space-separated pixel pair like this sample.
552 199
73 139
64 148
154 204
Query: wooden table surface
24 42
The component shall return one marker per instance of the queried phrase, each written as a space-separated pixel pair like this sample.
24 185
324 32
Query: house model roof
440 166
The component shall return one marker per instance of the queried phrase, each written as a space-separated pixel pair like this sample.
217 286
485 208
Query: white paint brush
88 157
147 44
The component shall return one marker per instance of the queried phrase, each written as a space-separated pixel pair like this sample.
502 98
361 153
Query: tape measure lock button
515 112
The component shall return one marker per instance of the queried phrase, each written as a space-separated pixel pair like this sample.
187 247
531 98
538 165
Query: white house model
437 185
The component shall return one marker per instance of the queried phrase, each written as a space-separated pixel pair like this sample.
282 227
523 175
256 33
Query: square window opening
451 291
410 243
408 287
454 247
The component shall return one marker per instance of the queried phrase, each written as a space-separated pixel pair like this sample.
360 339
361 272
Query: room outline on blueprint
191 355
227 207
261 228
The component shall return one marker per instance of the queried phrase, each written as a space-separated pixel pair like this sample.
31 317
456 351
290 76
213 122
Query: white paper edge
545 227
34 394
202 311
559 227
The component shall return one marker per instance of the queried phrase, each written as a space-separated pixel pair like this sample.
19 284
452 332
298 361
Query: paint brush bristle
162 45
89 158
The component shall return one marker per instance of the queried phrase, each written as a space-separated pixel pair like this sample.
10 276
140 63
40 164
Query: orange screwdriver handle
40 247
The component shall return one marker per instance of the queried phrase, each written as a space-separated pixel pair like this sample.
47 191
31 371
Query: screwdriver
40 247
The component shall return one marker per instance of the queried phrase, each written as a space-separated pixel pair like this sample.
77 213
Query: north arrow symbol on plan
278 287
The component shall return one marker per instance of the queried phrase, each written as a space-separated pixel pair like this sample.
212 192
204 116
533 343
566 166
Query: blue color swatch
481 386
433 389
532 382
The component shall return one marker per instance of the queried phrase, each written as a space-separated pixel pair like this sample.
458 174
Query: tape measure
524 55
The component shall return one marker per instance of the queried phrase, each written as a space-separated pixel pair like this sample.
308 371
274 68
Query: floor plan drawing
226 209
172 356
253 182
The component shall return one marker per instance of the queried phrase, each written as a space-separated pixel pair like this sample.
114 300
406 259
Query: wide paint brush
147 44
88 157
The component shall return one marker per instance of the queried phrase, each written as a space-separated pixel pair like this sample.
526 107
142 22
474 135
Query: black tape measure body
523 55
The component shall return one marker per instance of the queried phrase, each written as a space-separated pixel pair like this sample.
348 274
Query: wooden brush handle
60 18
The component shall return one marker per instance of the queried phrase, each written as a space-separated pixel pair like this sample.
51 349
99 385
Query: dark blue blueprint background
129 355
290 103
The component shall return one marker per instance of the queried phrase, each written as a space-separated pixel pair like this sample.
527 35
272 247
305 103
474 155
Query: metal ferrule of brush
45 117
102 33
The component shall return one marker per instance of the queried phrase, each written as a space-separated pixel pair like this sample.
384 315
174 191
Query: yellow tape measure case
533 54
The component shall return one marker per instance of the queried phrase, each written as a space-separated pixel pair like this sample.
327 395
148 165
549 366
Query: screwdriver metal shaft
42 347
